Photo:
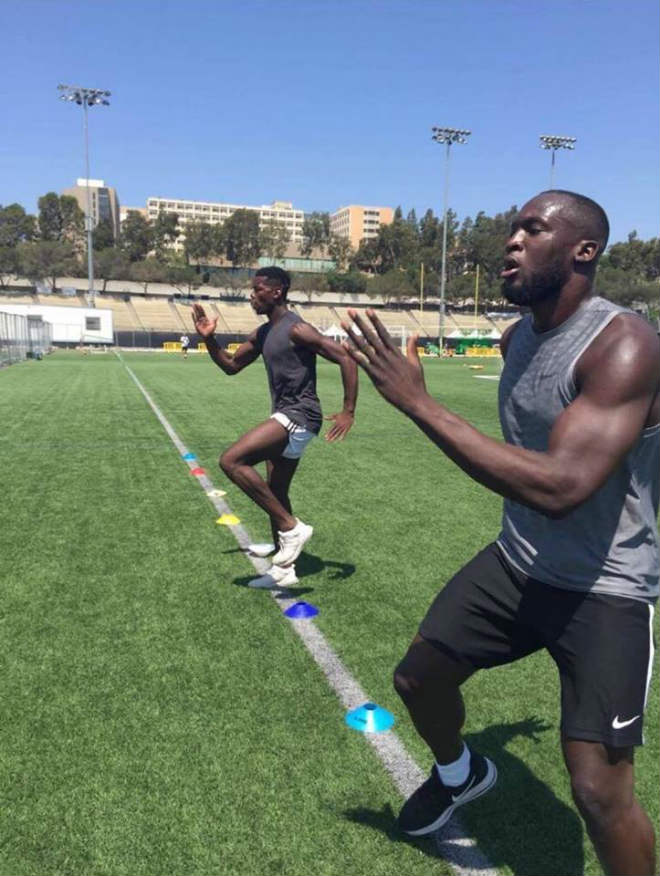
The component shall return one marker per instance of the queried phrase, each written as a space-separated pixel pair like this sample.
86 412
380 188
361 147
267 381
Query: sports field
159 718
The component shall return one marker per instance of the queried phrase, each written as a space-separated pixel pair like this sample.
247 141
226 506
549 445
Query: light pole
86 97
554 142
446 136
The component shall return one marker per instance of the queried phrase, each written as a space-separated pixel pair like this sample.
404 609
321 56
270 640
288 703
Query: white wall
69 323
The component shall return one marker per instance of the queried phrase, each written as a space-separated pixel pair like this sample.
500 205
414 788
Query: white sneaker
292 543
264 549
275 577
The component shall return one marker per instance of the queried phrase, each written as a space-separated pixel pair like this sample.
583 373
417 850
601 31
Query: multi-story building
358 223
216 213
124 211
103 201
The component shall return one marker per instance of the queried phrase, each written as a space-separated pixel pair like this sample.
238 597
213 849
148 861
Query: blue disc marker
370 718
301 610
189 456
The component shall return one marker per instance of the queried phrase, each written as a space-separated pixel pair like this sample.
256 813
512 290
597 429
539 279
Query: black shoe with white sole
433 803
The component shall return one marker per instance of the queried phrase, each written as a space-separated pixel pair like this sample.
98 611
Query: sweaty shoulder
625 355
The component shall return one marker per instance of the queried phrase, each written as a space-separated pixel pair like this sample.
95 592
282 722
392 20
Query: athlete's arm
230 364
619 382
306 335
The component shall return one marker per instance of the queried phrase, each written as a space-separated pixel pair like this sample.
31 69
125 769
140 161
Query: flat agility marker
197 471
189 456
300 610
227 520
215 494
370 718
453 845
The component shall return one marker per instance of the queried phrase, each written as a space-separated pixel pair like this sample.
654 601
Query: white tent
335 331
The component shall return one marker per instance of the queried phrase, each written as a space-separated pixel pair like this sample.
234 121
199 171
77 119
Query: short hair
280 276
589 216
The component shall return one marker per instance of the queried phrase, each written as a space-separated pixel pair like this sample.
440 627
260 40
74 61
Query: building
215 212
103 201
358 223
124 211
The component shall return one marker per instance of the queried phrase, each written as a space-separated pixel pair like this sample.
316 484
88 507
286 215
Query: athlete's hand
398 378
342 423
203 325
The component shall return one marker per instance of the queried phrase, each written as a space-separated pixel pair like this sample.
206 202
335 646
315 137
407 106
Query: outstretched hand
399 379
204 326
342 423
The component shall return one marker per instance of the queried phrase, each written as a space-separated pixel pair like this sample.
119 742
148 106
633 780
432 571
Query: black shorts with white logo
490 613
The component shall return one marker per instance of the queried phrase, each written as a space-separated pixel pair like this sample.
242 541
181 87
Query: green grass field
159 718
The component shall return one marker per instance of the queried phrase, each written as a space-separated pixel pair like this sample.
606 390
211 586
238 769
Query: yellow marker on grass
228 520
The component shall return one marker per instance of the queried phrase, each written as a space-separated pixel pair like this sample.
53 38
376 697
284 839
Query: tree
165 232
315 232
136 238
200 243
351 283
310 283
241 238
151 270
367 257
103 235
16 226
184 277
60 218
47 260
274 239
9 264
393 285
111 264
340 251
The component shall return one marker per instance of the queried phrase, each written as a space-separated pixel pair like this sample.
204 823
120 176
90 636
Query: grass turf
159 719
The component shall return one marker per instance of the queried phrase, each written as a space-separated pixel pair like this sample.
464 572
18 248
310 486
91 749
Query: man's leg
280 473
428 681
602 783
265 442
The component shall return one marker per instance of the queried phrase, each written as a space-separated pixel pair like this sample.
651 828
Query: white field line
452 843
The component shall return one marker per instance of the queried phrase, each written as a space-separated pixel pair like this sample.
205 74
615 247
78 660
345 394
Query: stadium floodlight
554 142
446 136
86 97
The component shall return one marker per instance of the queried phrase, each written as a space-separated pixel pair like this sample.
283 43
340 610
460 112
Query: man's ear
587 251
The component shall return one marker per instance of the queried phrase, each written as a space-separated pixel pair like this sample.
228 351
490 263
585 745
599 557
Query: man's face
265 294
539 251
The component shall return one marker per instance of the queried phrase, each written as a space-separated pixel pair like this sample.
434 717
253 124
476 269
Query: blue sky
331 103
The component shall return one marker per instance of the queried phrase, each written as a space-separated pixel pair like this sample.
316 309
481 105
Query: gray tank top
291 373
609 544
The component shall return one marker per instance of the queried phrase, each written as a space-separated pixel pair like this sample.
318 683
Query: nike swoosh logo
619 724
463 792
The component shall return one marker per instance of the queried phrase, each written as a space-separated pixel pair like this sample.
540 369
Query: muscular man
575 568
289 347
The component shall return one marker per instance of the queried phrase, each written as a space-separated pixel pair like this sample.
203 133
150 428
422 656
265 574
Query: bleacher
156 314
122 315
320 317
239 316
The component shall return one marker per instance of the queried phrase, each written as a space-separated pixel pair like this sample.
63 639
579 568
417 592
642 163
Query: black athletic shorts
490 614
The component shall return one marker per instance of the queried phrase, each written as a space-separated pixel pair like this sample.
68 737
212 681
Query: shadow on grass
522 825
306 564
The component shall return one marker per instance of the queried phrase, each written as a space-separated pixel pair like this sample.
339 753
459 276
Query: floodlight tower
446 136
554 142
86 97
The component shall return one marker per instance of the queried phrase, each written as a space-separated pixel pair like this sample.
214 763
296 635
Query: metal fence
22 337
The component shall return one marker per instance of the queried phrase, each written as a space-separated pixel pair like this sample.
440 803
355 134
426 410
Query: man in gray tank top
289 347
575 568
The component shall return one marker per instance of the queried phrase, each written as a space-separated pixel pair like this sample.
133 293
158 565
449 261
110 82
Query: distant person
289 347
575 568
185 343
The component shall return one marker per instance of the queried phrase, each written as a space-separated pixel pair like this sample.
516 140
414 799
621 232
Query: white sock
455 773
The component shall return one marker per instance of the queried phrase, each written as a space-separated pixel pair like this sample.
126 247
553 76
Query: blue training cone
301 610
189 456
370 718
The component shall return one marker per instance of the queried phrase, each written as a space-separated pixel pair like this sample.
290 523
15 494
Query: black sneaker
433 803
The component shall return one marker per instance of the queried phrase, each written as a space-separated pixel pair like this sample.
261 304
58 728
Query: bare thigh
265 442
